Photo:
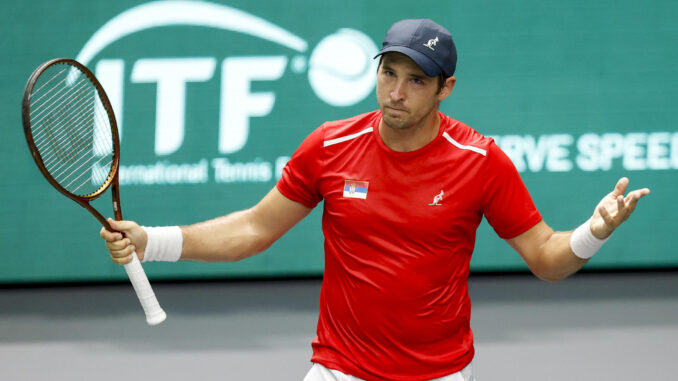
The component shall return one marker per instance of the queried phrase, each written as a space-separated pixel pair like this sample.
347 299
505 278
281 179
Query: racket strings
40 122
49 116
80 161
60 169
54 77
58 93
77 134
95 145
71 131
93 168
76 139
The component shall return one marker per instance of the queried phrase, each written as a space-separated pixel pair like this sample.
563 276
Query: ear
446 90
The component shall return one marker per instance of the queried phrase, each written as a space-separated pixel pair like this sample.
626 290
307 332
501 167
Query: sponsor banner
213 97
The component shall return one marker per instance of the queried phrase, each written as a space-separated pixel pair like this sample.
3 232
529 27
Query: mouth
396 110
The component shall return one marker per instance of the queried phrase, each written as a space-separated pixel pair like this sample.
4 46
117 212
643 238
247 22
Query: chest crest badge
356 189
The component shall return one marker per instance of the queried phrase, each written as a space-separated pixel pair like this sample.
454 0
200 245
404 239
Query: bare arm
548 253
229 238
242 234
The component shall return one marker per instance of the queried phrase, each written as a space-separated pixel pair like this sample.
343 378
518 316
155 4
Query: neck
413 137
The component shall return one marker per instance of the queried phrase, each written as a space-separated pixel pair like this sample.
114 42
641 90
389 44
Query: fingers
121 251
620 187
624 208
123 226
632 199
637 194
621 205
607 218
615 208
120 243
110 236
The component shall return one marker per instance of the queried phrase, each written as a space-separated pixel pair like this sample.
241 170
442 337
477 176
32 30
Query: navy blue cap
428 44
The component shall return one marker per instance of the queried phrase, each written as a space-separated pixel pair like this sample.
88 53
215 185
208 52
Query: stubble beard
404 120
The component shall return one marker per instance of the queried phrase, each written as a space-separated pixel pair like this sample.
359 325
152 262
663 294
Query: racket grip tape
154 313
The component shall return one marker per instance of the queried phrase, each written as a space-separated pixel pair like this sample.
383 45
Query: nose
398 92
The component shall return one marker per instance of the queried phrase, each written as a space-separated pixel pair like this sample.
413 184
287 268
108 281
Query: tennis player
404 188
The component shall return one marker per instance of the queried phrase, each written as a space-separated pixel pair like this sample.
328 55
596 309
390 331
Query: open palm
615 208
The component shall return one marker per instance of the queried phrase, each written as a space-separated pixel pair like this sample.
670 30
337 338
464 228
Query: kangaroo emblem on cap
431 43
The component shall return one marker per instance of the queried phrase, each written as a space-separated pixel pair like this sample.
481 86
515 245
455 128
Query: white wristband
583 243
164 243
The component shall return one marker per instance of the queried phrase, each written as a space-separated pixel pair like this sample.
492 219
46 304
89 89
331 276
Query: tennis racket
73 136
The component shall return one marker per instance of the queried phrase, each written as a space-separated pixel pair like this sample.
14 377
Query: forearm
555 259
224 239
547 253
242 234
555 255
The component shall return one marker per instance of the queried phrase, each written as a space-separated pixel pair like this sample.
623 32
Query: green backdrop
213 97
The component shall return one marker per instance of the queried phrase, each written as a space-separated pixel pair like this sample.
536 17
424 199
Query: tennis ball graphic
342 71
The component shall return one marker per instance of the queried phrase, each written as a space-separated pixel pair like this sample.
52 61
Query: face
407 97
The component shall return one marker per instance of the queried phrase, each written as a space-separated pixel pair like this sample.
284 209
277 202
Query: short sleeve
507 204
300 175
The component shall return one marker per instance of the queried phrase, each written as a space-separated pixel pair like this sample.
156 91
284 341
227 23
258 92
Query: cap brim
426 64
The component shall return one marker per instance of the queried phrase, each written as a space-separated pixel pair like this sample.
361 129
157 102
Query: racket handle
154 313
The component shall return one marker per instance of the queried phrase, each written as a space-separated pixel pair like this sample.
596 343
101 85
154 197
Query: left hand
614 208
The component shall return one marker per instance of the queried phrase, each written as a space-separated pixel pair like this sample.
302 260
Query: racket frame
112 178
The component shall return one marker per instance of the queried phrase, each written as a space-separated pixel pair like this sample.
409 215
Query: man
404 189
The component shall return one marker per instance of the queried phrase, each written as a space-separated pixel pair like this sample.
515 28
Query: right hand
121 246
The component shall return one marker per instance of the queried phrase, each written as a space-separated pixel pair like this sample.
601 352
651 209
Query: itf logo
340 69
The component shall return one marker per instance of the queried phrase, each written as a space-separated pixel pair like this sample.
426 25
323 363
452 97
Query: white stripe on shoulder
461 146
330 142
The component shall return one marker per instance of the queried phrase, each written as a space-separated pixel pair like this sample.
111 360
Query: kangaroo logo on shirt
438 199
